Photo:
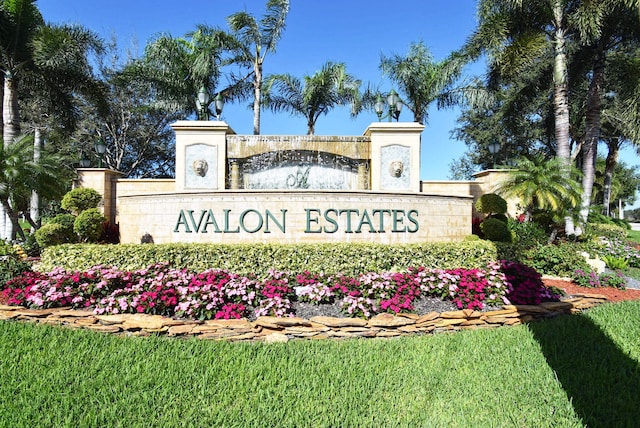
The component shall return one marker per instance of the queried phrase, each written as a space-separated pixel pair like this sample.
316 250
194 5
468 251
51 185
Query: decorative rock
104 328
35 313
144 322
428 317
242 323
273 329
73 313
339 322
388 320
179 330
450 322
276 338
453 314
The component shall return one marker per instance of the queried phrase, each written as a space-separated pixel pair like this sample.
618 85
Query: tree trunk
592 134
257 85
35 197
10 111
12 225
561 97
610 164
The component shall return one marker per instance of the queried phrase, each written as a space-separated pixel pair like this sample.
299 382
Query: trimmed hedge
346 258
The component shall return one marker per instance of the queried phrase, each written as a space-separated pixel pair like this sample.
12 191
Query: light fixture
202 102
85 162
100 147
219 105
394 105
494 148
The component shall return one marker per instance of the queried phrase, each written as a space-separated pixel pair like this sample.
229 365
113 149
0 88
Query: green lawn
564 372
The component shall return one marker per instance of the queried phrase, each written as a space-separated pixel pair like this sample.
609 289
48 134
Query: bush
11 267
609 231
348 258
66 220
590 279
51 234
89 225
558 260
527 286
527 234
81 199
491 203
495 230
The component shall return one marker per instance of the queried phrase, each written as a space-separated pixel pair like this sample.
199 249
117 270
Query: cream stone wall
391 205
294 216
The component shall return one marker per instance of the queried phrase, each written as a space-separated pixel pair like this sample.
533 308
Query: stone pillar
201 151
363 177
235 176
104 181
395 156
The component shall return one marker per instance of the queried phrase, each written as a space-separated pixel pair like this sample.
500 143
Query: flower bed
219 294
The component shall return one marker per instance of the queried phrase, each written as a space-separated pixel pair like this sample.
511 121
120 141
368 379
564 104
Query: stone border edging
273 329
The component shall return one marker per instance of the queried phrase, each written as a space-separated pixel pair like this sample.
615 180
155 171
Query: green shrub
81 199
615 262
495 230
11 267
66 220
491 203
51 234
609 231
88 225
330 258
527 234
558 260
500 217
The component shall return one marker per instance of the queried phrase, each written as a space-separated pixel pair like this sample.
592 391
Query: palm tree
515 34
256 40
315 95
20 175
176 68
48 61
542 184
422 81
604 28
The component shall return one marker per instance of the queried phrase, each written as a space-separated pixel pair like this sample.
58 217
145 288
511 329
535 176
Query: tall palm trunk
561 97
592 134
610 164
35 197
10 111
257 86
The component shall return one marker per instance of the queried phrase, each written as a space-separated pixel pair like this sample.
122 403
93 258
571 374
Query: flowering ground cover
163 290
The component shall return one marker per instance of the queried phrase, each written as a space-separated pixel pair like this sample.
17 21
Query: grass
565 372
634 235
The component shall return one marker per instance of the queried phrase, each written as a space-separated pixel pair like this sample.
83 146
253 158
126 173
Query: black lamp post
394 105
85 162
100 148
202 103
494 148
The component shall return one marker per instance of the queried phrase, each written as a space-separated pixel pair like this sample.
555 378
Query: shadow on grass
602 382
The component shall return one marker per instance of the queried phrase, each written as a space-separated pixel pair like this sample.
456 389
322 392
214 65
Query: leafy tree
257 39
137 134
316 95
20 174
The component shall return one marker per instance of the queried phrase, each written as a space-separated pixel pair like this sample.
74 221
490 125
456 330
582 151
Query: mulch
612 294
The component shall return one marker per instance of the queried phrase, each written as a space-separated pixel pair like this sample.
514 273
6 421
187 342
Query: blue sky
356 32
